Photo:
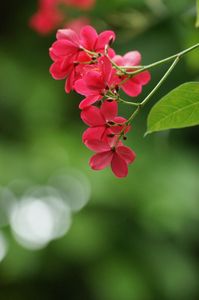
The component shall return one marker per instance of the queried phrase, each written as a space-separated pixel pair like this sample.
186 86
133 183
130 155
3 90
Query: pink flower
118 157
49 15
133 86
46 20
68 51
96 82
69 43
103 121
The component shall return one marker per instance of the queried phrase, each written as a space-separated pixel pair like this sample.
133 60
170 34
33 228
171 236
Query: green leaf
178 109
197 13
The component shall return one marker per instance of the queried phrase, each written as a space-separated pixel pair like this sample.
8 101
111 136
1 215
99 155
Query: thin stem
125 80
161 81
140 69
91 53
131 67
120 69
117 97
140 105
112 62
154 90
128 102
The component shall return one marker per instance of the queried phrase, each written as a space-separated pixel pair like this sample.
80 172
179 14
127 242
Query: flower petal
63 48
57 71
70 81
118 129
107 69
100 161
104 39
142 78
126 153
92 116
111 52
97 145
109 110
68 34
118 59
88 37
119 166
132 88
95 81
81 88
132 58
93 133
89 101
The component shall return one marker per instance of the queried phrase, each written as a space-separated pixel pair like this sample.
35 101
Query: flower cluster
91 68
50 16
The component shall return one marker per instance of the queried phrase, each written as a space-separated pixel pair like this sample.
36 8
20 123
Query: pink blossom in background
50 16
46 20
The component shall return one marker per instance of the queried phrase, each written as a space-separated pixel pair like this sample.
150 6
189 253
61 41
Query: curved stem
143 68
139 69
148 97
91 53
120 69
117 97
128 102
161 81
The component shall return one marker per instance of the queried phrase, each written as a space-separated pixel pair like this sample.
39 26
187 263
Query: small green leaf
178 109
197 13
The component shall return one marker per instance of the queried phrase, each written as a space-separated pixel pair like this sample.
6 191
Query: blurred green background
67 232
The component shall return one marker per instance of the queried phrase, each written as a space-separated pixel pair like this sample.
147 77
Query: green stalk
148 97
143 68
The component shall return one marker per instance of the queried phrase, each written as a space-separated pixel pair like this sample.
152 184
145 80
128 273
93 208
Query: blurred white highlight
37 220
44 213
